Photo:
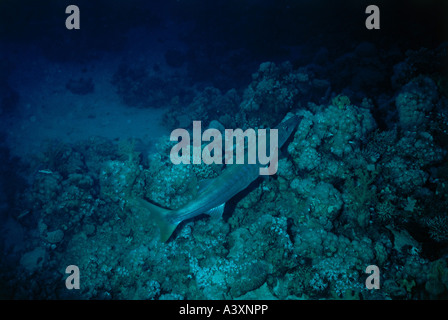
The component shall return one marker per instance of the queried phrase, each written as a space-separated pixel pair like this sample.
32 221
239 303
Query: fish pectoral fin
166 230
156 215
216 212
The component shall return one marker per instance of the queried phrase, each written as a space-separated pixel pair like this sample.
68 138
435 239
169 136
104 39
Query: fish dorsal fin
216 212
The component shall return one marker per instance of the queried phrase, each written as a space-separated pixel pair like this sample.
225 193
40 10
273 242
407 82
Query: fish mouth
286 127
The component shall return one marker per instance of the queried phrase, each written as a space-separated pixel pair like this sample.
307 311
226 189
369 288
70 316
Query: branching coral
438 228
360 195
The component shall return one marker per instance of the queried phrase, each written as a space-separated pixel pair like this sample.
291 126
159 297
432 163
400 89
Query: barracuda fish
213 193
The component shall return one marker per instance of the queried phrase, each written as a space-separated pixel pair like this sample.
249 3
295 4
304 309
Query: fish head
286 128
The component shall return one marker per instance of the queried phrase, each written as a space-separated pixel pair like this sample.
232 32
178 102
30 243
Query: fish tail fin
156 215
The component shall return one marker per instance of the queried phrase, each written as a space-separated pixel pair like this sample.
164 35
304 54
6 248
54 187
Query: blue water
86 117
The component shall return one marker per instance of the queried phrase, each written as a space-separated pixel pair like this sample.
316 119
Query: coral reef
415 101
351 191
139 87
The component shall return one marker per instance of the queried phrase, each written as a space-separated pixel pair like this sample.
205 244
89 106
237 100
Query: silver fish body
214 192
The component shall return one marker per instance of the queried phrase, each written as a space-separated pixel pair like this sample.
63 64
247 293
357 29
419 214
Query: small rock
55 236
33 260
